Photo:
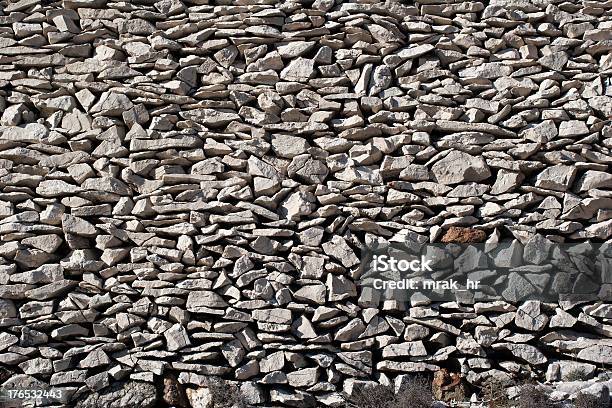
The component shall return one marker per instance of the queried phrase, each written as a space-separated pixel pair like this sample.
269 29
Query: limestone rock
460 167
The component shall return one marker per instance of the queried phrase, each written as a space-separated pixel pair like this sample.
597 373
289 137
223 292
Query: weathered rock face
128 394
459 167
186 188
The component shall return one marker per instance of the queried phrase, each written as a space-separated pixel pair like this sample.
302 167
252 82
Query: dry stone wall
187 186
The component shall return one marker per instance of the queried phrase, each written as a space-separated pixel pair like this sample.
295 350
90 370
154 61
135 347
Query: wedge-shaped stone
56 188
183 142
78 226
211 117
204 299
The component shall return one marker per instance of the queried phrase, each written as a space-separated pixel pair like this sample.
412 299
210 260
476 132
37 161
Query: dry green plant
414 393
494 393
378 396
533 396
225 394
590 401
577 374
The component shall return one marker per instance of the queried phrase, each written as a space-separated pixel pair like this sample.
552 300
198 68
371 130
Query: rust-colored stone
460 235
448 386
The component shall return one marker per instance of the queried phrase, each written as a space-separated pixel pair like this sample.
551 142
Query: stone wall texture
186 187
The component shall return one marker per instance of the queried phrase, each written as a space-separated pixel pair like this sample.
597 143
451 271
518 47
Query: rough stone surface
187 189
460 167
131 393
463 235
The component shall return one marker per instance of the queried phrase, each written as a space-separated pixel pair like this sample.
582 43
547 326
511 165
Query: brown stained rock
174 393
461 235
448 386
